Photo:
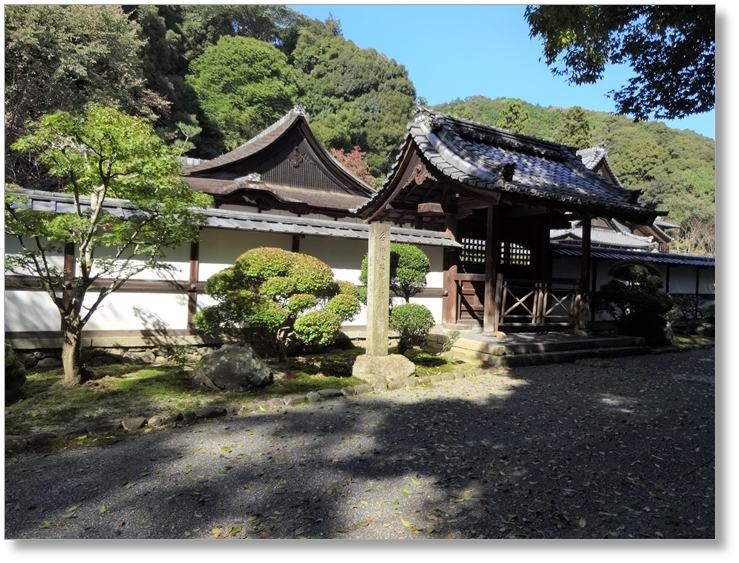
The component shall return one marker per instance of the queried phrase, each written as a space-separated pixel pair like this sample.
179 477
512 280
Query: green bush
15 375
635 301
270 294
344 306
408 268
318 327
412 322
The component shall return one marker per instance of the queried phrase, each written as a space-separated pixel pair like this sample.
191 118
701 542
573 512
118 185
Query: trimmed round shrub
274 296
412 322
635 301
344 306
318 327
408 268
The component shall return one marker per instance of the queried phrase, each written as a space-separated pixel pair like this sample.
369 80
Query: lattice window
515 254
473 250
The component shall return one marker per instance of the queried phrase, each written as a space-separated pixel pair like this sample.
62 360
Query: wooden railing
527 303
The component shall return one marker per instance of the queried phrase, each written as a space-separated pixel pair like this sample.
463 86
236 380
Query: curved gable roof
497 160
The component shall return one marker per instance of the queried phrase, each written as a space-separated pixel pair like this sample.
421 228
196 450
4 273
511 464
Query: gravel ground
618 448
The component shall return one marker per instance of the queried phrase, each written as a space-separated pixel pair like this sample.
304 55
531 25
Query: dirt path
619 448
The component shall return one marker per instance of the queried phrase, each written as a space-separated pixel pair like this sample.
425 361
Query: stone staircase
526 349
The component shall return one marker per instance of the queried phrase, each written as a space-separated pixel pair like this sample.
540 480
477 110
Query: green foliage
318 327
412 322
408 268
513 116
243 85
344 306
670 48
574 129
102 154
635 300
273 293
356 97
68 57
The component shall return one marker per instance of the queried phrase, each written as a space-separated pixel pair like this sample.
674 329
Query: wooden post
192 290
378 288
450 302
491 271
584 300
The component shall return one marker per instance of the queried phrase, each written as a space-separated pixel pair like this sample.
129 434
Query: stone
106 360
314 397
434 378
40 439
159 360
401 383
380 386
233 367
447 377
104 427
329 393
28 360
348 391
187 417
378 289
233 409
361 389
15 444
144 357
374 369
49 363
290 400
211 412
161 420
276 403
246 408
134 423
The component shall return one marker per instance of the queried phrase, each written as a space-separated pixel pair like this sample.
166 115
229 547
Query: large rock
379 369
234 366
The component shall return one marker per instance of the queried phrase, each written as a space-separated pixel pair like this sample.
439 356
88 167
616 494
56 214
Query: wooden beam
449 311
491 272
584 301
527 211
192 290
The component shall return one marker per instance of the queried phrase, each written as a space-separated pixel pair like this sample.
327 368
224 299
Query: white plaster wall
12 246
434 304
177 258
139 311
219 248
344 256
30 311
435 278
682 279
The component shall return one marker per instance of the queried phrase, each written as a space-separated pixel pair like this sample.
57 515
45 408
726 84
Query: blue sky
456 51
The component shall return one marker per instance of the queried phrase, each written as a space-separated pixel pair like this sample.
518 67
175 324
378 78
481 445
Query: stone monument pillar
376 366
378 288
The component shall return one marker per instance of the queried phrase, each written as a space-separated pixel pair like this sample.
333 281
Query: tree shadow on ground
550 452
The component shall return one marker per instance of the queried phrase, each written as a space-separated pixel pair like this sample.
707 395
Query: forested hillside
233 70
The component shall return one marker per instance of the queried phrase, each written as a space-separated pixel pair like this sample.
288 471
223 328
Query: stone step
539 347
542 358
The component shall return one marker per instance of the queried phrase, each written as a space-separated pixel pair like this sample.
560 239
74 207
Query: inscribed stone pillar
376 366
378 288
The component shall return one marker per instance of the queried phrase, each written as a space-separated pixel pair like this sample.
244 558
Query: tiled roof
592 156
605 238
495 159
255 144
286 194
616 254
248 221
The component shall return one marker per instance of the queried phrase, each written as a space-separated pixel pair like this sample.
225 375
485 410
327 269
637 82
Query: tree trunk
75 372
